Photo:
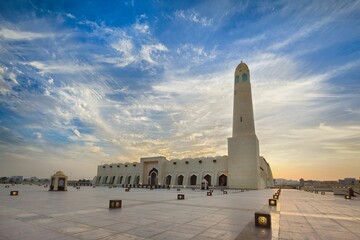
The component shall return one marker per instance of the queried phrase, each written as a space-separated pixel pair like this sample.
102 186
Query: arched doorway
193 179
153 175
180 180
168 180
112 180
137 180
106 178
129 180
121 178
99 179
223 180
208 179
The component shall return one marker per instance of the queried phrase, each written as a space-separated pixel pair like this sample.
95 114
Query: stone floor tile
329 234
186 228
123 236
122 227
145 232
219 234
172 235
75 228
94 234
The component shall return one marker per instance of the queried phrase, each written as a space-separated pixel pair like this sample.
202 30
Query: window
244 77
237 79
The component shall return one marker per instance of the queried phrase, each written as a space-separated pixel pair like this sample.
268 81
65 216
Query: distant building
285 182
348 181
16 178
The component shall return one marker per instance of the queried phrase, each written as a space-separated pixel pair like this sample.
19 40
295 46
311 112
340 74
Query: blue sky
84 83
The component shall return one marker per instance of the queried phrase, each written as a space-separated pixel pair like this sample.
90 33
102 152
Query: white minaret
243 146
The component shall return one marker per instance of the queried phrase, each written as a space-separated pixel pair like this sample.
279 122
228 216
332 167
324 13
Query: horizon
86 83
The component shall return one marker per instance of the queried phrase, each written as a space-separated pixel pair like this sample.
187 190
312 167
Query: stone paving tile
123 236
186 228
329 234
95 234
145 232
75 228
219 234
172 235
122 227
298 236
229 227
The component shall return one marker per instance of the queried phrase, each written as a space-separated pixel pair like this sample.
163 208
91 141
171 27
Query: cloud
10 34
196 54
7 80
147 52
76 132
69 15
141 25
60 67
194 17
126 49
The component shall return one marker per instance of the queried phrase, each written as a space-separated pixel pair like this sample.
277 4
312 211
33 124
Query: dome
59 173
242 67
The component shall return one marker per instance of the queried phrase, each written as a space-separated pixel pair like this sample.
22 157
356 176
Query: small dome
242 67
59 173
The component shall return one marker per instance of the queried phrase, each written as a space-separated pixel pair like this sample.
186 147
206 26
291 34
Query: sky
84 83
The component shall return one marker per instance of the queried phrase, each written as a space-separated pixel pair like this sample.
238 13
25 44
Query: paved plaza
157 214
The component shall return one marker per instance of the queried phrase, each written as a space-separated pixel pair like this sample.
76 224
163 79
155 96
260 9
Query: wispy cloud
11 34
7 80
58 67
193 16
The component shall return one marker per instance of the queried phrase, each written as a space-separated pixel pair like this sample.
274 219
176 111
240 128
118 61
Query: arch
168 180
208 179
99 179
112 180
137 180
120 180
180 180
153 175
222 180
106 178
128 179
193 179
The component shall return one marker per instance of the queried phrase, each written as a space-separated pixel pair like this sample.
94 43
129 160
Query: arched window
129 180
106 178
137 180
121 178
180 180
208 179
244 77
237 79
223 180
99 179
193 179
168 180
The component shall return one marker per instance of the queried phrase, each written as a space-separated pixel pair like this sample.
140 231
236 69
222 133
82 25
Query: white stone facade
243 168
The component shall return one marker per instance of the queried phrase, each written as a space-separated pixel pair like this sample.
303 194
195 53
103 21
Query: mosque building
243 168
